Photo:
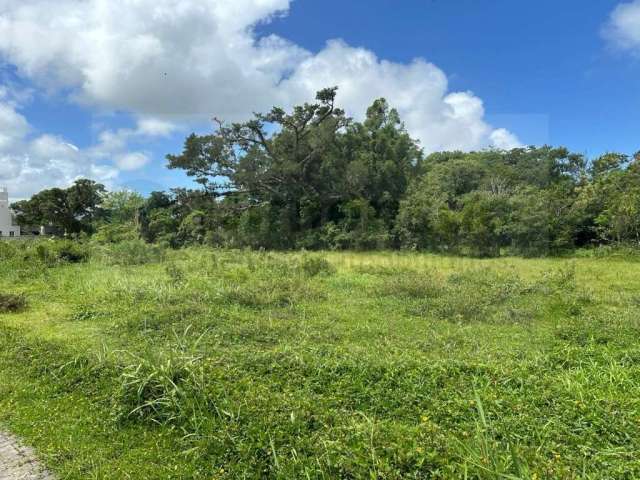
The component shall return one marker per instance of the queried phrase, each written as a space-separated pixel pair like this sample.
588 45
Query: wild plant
164 388
487 456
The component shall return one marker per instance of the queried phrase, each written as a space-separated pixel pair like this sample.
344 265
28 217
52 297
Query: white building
7 227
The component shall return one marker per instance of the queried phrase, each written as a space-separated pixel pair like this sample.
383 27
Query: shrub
175 273
8 250
54 252
115 233
70 251
11 302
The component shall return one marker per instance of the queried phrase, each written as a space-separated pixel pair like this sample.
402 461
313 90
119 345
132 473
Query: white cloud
132 160
623 28
150 56
28 165
504 139
114 142
159 58
12 126
419 91
155 127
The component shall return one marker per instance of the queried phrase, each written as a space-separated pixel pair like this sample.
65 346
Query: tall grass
229 364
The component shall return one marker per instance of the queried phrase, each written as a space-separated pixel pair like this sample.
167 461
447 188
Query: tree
122 206
298 171
277 160
75 209
483 223
612 198
481 202
382 160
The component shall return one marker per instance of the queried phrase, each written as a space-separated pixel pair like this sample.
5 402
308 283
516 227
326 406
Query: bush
70 251
11 302
54 252
408 285
8 250
115 233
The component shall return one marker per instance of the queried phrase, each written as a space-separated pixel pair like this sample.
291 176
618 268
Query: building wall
7 228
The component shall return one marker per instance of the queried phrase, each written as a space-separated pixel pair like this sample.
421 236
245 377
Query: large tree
294 177
74 209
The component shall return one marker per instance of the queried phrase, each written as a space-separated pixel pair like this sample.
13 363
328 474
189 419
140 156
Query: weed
175 273
166 388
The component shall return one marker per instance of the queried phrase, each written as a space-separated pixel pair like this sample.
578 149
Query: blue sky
106 88
541 67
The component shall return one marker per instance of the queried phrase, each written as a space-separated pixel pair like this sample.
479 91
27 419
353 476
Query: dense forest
314 178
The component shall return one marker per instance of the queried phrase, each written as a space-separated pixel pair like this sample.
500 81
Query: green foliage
54 252
68 251
74 210
320 181
311 178
523 201
164 390
115 233
122 206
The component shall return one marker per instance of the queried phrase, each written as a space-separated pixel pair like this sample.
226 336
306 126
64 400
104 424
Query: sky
104 89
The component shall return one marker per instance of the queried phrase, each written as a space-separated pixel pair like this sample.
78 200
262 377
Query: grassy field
210 364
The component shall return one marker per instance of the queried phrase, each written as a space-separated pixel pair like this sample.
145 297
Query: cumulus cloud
623 28
132 160
419 91
115 141
503 139
162 59
30 163
150 56
26 172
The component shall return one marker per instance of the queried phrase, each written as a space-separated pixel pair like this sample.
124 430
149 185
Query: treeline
314 178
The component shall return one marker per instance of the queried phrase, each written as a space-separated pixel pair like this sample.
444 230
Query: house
8 228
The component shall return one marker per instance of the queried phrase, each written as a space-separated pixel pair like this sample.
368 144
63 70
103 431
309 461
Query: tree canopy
75 209
314 178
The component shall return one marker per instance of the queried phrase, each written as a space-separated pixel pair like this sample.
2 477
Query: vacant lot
142 363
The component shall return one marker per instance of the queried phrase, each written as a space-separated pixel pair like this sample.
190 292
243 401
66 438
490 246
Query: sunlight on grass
206 364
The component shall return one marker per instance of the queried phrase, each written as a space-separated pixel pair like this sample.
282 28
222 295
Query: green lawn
213 364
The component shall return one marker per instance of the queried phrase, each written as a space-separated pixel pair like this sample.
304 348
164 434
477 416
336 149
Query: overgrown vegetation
315 179
212 363
135 358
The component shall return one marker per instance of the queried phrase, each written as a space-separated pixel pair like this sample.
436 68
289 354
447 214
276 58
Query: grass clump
161 389
12 302
54 252
313 265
